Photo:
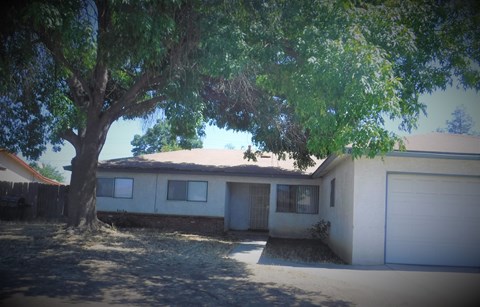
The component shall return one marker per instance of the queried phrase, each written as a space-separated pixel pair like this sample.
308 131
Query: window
332 193
123 188
187 190
297 199
115 187
104 187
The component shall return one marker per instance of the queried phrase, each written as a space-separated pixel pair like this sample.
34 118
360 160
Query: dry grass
301 250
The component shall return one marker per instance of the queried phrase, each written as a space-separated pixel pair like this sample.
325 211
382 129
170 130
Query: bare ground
141 267
300 250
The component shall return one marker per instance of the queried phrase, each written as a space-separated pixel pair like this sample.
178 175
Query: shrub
320 230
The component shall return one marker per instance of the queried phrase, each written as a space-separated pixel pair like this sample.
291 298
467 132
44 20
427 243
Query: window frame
186 197
115 186
293 195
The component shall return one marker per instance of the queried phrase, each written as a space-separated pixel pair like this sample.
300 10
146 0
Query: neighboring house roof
435 144
36 176
230 162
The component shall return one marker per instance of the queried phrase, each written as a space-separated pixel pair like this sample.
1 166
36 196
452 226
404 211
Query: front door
259 206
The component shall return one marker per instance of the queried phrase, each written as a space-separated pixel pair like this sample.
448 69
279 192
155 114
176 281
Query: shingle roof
230 162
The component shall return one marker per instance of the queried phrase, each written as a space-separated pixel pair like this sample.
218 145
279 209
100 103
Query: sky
440 105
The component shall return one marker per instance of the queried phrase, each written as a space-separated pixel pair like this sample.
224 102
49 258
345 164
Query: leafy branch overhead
160 138
305 78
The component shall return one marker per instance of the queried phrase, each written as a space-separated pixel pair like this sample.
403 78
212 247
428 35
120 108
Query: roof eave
205 172
434 155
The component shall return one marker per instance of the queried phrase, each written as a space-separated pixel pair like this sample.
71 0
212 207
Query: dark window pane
104 187
177 190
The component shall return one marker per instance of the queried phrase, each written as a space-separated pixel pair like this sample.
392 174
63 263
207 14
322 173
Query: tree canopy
460 123
160 138
305 78
48 171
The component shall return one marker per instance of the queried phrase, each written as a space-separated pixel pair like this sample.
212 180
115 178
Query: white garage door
433 220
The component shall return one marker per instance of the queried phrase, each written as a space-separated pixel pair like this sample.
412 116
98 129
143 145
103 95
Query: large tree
304 77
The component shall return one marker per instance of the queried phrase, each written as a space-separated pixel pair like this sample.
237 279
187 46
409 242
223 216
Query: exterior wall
150 196
291 225
341 215
143 200
14 172
370 197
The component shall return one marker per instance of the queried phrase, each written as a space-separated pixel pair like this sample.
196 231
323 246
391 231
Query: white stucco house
14 169
419 206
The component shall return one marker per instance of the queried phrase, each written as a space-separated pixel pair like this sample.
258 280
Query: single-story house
14 169
419 206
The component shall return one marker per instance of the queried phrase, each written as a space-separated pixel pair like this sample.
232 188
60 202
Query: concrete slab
248 251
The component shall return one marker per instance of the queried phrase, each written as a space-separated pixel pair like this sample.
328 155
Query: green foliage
160 138
461 122
48 171
304 77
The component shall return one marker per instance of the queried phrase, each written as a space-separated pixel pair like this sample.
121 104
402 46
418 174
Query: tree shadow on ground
141 268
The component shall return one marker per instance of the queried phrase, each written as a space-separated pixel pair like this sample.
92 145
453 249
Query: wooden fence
43 201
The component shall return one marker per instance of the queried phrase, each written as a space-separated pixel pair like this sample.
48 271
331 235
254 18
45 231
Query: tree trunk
82 211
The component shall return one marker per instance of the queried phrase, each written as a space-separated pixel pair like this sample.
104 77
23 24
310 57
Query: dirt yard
47 264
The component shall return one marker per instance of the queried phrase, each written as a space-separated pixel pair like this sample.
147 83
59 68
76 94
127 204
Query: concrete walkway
248 251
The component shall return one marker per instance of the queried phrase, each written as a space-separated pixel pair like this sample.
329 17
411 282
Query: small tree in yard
305 78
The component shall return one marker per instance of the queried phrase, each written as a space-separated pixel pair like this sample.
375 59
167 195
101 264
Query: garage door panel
422 254
433 220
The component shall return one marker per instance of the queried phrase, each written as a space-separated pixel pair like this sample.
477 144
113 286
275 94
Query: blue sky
440 105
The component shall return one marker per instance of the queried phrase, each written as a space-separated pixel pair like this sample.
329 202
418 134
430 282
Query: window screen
197 191
123 188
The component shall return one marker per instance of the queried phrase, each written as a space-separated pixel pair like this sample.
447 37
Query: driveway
46 265
352 285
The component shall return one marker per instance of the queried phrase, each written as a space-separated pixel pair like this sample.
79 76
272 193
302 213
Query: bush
320 230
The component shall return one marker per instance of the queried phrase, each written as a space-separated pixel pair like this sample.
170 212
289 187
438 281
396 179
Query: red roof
30 169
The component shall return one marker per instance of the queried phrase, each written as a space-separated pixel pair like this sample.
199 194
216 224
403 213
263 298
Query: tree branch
59 56
141 107
99 78
71 137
